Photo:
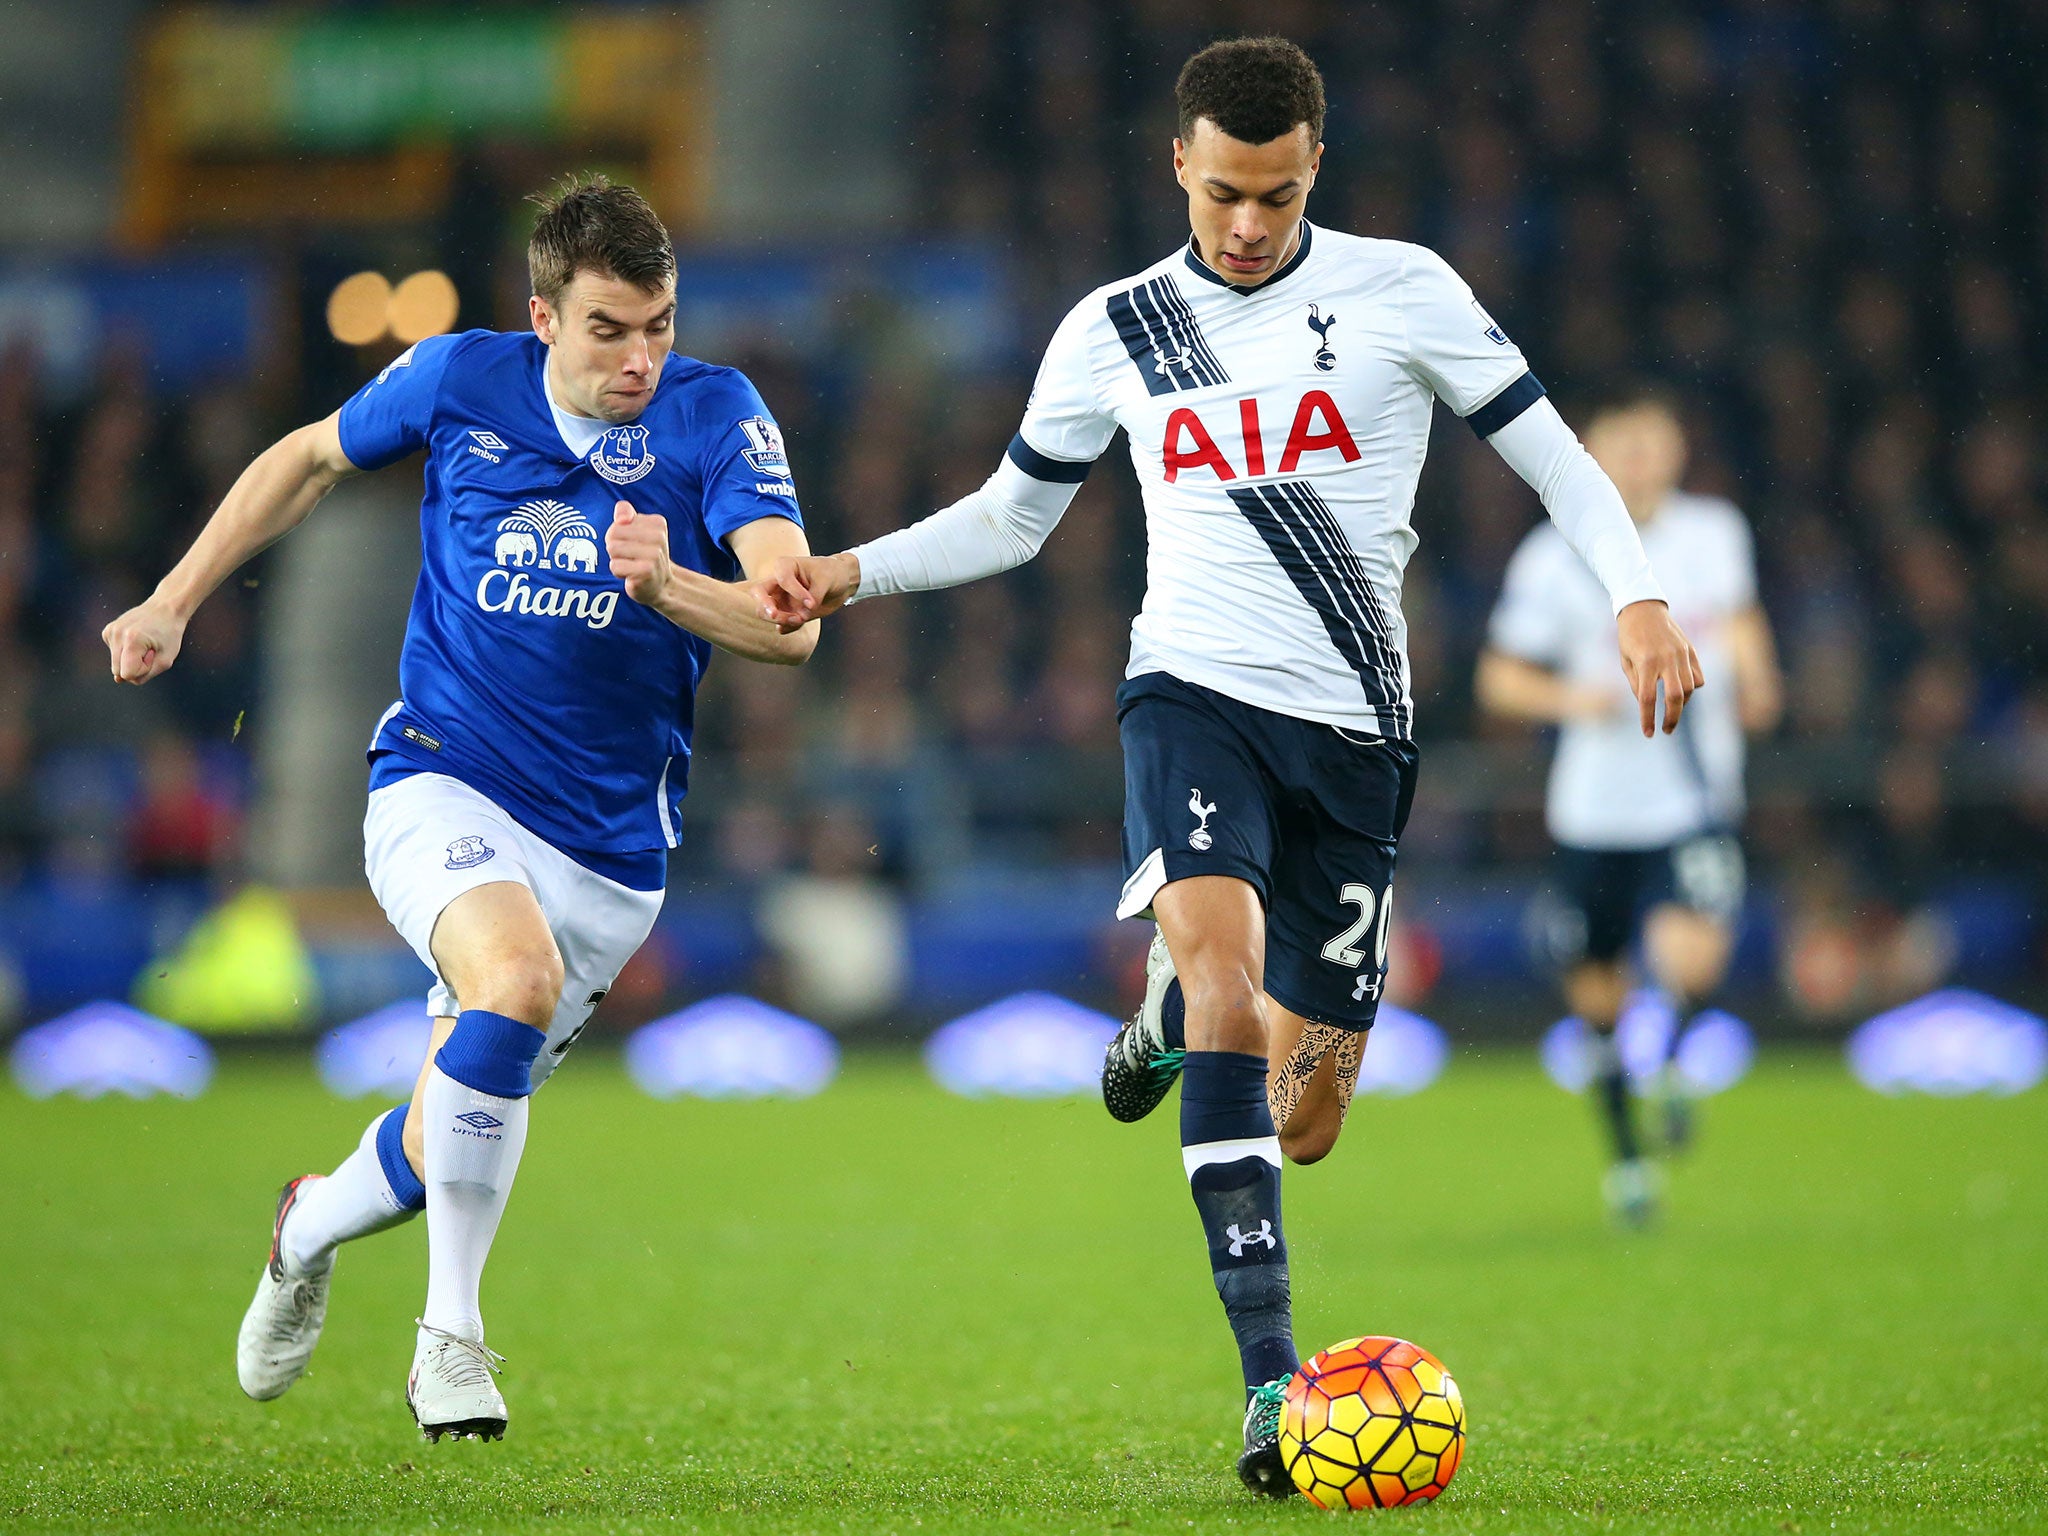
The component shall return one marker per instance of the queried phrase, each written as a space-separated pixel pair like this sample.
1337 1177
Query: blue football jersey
527 672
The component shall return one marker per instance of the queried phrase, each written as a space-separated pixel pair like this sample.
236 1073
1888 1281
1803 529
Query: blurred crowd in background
1822 223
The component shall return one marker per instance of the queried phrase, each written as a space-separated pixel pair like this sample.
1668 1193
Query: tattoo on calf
1285 1087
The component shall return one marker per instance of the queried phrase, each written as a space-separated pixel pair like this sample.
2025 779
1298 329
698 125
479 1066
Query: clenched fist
144 641
637 543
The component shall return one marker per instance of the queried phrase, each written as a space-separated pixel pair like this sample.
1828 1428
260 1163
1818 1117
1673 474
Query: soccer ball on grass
1371 1423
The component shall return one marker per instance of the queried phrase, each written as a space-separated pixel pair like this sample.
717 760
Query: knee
524 986
1225 1009
1692 966
1309 1143
1596 991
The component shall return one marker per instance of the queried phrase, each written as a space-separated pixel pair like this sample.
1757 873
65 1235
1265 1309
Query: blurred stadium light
1714 1053
732 1047
1954 1041
422 305
108 1047
380 1053
359 309
1404 1054
365 308
1033 1045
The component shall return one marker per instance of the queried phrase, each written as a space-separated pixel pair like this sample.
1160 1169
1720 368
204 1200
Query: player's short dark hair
1253 88
1619 397
590 224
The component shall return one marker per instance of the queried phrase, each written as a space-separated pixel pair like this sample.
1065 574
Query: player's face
1245 201
1643 452
609 339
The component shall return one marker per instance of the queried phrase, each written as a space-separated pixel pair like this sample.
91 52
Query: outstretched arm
725 613
1588 511
995 529
270 498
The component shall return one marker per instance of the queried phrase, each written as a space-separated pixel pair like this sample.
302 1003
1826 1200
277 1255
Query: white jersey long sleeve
1581 501
991 530
1278 433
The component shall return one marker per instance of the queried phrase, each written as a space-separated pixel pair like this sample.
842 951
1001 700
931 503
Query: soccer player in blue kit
525 789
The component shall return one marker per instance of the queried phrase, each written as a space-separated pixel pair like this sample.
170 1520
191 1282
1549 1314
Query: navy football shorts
1603 893
1306 814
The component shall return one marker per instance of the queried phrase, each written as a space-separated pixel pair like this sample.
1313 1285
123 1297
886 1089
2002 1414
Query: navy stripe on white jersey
1309 546
1184 317
1399 713
1165 345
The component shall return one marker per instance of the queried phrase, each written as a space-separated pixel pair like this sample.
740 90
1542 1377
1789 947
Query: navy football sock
1232 1159
1610 1086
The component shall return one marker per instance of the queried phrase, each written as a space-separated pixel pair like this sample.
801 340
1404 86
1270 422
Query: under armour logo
1368 986
1238 1240
1166 362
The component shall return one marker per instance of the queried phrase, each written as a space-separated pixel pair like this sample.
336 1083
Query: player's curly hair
591 224
1253 88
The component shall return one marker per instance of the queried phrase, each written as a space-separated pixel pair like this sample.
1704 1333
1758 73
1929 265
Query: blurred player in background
1646 828
526 789
1277 381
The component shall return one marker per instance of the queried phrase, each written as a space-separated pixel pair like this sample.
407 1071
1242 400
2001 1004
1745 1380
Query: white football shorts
428 838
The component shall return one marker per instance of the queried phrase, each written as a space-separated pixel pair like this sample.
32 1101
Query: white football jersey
1278 433
1610 787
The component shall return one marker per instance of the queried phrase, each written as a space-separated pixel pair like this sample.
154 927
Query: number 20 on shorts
1343 949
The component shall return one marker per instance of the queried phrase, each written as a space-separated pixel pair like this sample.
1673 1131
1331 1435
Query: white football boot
283 1323
1633 1190
450 1390
1138 1069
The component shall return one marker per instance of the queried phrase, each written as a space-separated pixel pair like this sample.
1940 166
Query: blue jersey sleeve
388 417
745 470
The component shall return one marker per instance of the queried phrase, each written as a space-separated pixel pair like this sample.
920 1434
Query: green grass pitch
887 1310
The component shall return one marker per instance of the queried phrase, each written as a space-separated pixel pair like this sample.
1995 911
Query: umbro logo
479 1120
488 445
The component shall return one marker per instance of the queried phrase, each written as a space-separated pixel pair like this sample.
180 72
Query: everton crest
622 455
468 852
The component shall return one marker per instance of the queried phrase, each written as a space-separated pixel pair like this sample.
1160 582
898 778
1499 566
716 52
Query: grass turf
887 1310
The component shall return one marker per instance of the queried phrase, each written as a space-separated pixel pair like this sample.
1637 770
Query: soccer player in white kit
1646 829
1277 382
